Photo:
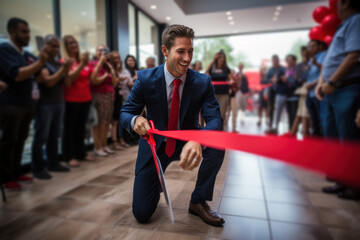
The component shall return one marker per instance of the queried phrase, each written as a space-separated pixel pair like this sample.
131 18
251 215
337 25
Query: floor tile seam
314 208
222 189
265 200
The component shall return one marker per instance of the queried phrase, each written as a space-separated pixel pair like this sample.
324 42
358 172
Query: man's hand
326 88
319 93
44 56
3 86
191 155
309 86
274 79
141 126
357 120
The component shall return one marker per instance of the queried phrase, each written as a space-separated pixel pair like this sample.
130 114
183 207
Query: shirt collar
22 52
170 78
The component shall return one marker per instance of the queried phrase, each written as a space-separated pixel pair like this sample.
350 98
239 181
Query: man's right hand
141 126
3 86
318 92
357 120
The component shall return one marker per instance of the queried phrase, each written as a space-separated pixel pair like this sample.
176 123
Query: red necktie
173 119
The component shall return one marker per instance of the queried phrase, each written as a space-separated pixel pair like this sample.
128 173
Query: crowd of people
321 92
61 95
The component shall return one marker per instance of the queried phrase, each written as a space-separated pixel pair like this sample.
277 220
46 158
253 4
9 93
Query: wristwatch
332 84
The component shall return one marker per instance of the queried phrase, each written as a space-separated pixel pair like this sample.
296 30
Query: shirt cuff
133 121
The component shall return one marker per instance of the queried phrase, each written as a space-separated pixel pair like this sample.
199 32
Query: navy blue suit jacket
150 90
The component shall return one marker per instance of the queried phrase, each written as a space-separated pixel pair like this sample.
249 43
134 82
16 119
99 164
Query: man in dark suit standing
173 96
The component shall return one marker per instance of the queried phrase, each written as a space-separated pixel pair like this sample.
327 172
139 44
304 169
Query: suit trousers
147 188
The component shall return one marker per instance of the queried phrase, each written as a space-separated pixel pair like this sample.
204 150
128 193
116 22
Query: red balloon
328 39
333 5
317 33
321 12
330 23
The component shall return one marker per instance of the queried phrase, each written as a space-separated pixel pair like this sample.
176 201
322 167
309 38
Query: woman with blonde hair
77 102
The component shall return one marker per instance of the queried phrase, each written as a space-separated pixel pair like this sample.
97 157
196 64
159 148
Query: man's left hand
357 120
190 156
326 88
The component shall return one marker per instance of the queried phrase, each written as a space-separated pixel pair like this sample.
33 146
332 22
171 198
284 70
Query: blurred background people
302 114
103 80
17 99
49 113
263 98
317 56
150 62
77 103
273 77
220 72
241 94
197 66
121 95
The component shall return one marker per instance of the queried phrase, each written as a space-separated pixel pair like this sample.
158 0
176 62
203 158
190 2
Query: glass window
85 20
38 13
148 39
132 30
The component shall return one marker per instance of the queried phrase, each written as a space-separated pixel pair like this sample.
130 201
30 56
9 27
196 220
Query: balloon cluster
329 20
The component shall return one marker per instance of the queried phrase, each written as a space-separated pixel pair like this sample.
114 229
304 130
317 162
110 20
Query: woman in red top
103 80
78 99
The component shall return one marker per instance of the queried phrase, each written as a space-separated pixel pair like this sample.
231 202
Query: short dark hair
291 56
174 31
355 4
275 56
14 22
320 43
303 49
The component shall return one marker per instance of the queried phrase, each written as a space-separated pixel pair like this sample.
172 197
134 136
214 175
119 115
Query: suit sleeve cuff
133 121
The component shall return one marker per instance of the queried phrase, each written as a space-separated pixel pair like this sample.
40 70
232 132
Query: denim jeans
340 110
48 122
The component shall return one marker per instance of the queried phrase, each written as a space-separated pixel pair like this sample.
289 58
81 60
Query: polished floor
258 197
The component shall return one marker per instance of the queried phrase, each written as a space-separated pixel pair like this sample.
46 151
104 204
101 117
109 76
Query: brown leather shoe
206 214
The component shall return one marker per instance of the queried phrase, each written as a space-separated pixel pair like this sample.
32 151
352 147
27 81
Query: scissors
150 140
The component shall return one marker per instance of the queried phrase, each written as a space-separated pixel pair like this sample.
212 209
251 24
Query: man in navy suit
173 96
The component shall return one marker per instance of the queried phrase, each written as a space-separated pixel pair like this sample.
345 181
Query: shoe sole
210 223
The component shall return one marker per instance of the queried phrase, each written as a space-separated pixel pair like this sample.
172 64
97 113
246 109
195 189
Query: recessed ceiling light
276 13
230 18
228 13
279 8
83 13
48 16
231 23
274 19
168 18
153 7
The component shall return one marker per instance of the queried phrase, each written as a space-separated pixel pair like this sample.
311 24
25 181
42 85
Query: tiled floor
259 199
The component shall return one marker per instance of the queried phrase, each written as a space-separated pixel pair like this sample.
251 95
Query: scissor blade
163 184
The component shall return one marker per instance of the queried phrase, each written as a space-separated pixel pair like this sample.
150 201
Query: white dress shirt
169 80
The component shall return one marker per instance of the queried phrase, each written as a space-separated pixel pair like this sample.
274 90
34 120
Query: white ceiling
293 16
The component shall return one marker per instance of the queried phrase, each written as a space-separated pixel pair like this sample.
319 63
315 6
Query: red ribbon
340 161
220 83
